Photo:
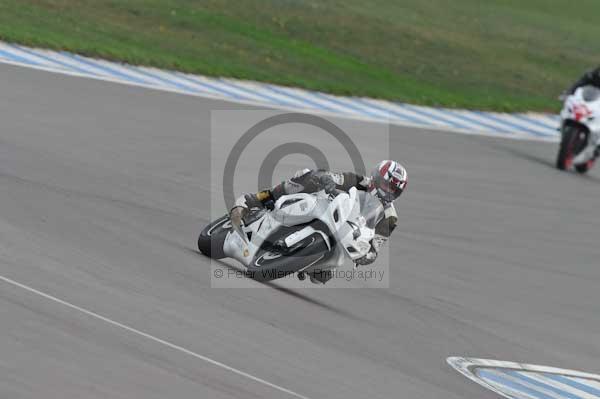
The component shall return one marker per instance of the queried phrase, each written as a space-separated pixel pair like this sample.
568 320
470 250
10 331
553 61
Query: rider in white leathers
386 182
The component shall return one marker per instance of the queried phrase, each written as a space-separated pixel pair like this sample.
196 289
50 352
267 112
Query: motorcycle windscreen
371 209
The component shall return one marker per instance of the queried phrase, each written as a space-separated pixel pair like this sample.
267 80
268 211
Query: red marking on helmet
384 169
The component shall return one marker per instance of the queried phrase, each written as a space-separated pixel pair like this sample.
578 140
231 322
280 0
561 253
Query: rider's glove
269 204
237 214
326 183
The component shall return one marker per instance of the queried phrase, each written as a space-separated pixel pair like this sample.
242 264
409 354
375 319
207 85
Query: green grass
487 54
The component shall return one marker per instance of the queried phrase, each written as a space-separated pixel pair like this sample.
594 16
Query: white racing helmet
388 180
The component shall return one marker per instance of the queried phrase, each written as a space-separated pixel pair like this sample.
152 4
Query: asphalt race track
104 187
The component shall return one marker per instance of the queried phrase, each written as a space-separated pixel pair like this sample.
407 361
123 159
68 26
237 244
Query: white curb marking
527 381
530 126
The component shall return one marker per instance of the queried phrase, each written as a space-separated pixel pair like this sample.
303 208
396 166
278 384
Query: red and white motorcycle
580 128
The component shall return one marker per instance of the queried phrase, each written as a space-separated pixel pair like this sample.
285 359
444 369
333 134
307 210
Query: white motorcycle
307 234
580 128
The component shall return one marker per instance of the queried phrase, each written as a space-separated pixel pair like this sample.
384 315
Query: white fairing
343 215
583 107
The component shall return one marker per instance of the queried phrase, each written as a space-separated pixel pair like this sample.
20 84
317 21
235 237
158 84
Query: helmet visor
389 190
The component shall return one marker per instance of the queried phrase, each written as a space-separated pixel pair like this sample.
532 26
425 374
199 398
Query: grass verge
508 55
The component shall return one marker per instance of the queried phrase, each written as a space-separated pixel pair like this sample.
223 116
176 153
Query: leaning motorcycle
580 130
304 234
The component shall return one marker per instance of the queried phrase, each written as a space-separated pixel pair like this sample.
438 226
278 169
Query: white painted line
152 338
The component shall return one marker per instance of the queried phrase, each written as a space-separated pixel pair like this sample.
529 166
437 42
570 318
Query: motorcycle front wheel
574 140
212 237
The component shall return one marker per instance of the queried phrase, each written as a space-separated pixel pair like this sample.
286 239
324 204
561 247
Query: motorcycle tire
573 141
212 237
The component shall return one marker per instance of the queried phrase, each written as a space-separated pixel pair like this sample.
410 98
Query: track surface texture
103 189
